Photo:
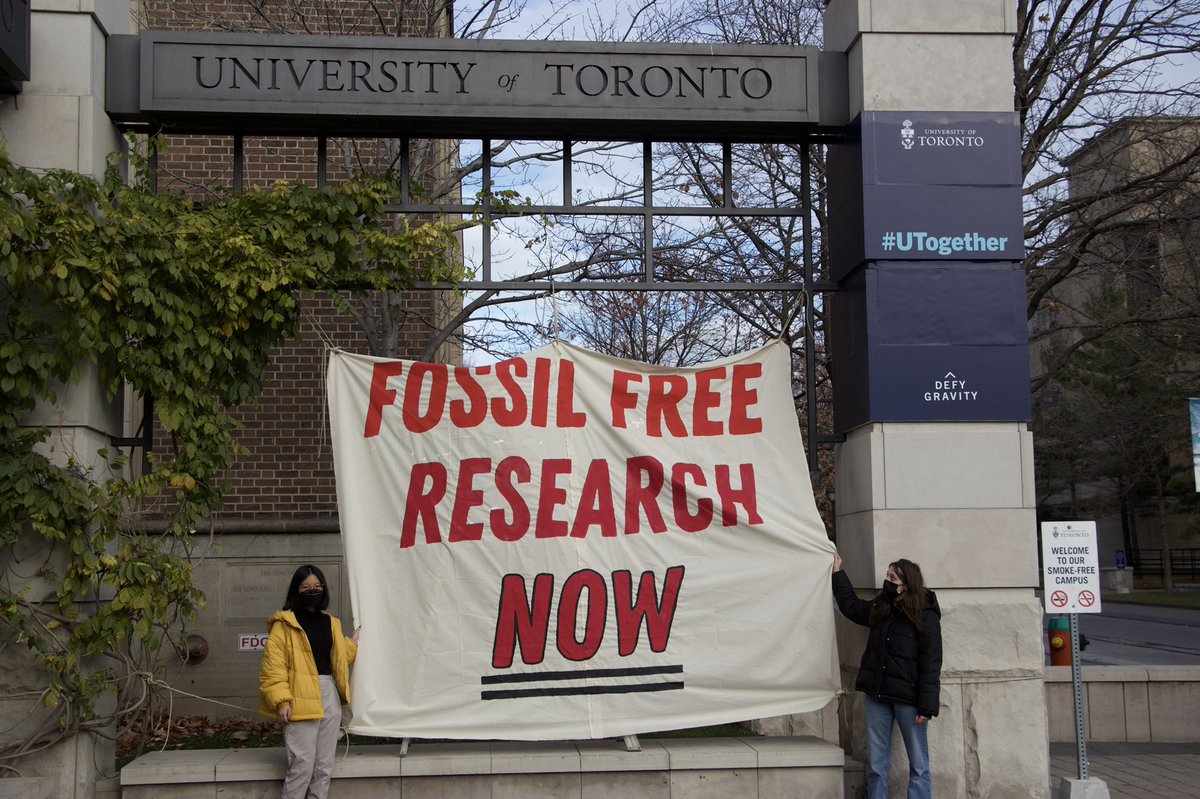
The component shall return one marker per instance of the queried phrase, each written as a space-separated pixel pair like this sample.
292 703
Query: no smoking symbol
1058 599
1087 598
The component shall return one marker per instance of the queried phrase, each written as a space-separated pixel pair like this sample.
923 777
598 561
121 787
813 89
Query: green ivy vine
178 300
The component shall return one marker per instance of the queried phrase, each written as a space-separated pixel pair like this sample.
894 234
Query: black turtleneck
320 637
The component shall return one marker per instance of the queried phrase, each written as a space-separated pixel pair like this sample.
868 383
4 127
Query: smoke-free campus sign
568 545
1070 567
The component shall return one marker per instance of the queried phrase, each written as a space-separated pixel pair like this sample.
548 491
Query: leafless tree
1108 92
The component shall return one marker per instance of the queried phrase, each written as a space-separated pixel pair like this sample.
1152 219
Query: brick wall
289 470
340 18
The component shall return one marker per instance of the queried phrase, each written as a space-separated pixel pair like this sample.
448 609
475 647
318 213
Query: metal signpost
1071 585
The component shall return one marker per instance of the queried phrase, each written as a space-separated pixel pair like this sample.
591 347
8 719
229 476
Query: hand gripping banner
568 545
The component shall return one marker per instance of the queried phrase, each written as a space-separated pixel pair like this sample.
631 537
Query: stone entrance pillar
930 360
58 119
58 122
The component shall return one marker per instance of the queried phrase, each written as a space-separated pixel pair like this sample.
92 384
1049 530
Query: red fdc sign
251 642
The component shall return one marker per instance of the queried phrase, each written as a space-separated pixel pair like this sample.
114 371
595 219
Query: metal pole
567 168
322 161
486 227
648 215
239 153
810 333
1077 683
405 169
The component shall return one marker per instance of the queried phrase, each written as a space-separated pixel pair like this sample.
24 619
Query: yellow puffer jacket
289 673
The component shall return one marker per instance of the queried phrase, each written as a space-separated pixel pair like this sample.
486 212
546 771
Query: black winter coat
899 664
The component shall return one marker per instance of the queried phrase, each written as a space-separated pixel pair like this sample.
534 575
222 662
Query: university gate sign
449 87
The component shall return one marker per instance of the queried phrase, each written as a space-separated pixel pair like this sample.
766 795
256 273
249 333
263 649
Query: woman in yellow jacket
304 680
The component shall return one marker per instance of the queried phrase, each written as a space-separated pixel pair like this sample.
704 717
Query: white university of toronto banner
569 545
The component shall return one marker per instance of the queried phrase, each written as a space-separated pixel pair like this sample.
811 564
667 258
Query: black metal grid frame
807 287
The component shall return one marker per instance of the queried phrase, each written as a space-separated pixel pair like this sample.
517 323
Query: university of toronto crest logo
906 135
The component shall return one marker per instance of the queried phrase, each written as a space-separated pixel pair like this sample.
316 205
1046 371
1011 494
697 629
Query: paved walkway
1134 771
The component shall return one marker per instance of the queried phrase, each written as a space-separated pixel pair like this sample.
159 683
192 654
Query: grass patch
1168 599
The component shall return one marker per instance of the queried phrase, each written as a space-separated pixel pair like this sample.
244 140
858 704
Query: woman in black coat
900 672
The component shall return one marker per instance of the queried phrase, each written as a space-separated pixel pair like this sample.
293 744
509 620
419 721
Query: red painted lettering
466 496
569 645
694 493
742 398
643 496
595 503
687 521
707 399
509 472
565 413
731 497
525 622
421 503
472 415
541 392
513 414
666 392
550 497
519 619
380 395
622 399
658 613
414 419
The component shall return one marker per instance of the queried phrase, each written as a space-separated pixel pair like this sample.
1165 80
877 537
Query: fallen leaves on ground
196 732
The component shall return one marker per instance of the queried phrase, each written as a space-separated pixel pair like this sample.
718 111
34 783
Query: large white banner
568 545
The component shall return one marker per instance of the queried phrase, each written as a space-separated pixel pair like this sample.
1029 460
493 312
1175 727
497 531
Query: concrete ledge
1056 674
699 767
1126 704
24 788
1091 788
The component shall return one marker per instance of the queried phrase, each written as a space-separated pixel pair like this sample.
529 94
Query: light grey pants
311 746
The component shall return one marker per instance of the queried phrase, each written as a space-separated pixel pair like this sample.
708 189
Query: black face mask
889 590
311 600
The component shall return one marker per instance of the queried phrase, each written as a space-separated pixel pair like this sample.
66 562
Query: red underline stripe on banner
581 674
519 693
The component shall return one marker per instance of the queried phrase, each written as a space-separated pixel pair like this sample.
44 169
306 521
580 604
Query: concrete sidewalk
1134 771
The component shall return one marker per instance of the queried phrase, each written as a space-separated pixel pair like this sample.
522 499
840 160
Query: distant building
1114 353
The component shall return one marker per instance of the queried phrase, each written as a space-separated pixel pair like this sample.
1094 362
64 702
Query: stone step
699 768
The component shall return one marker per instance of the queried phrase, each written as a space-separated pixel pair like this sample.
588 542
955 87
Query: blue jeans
880 716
